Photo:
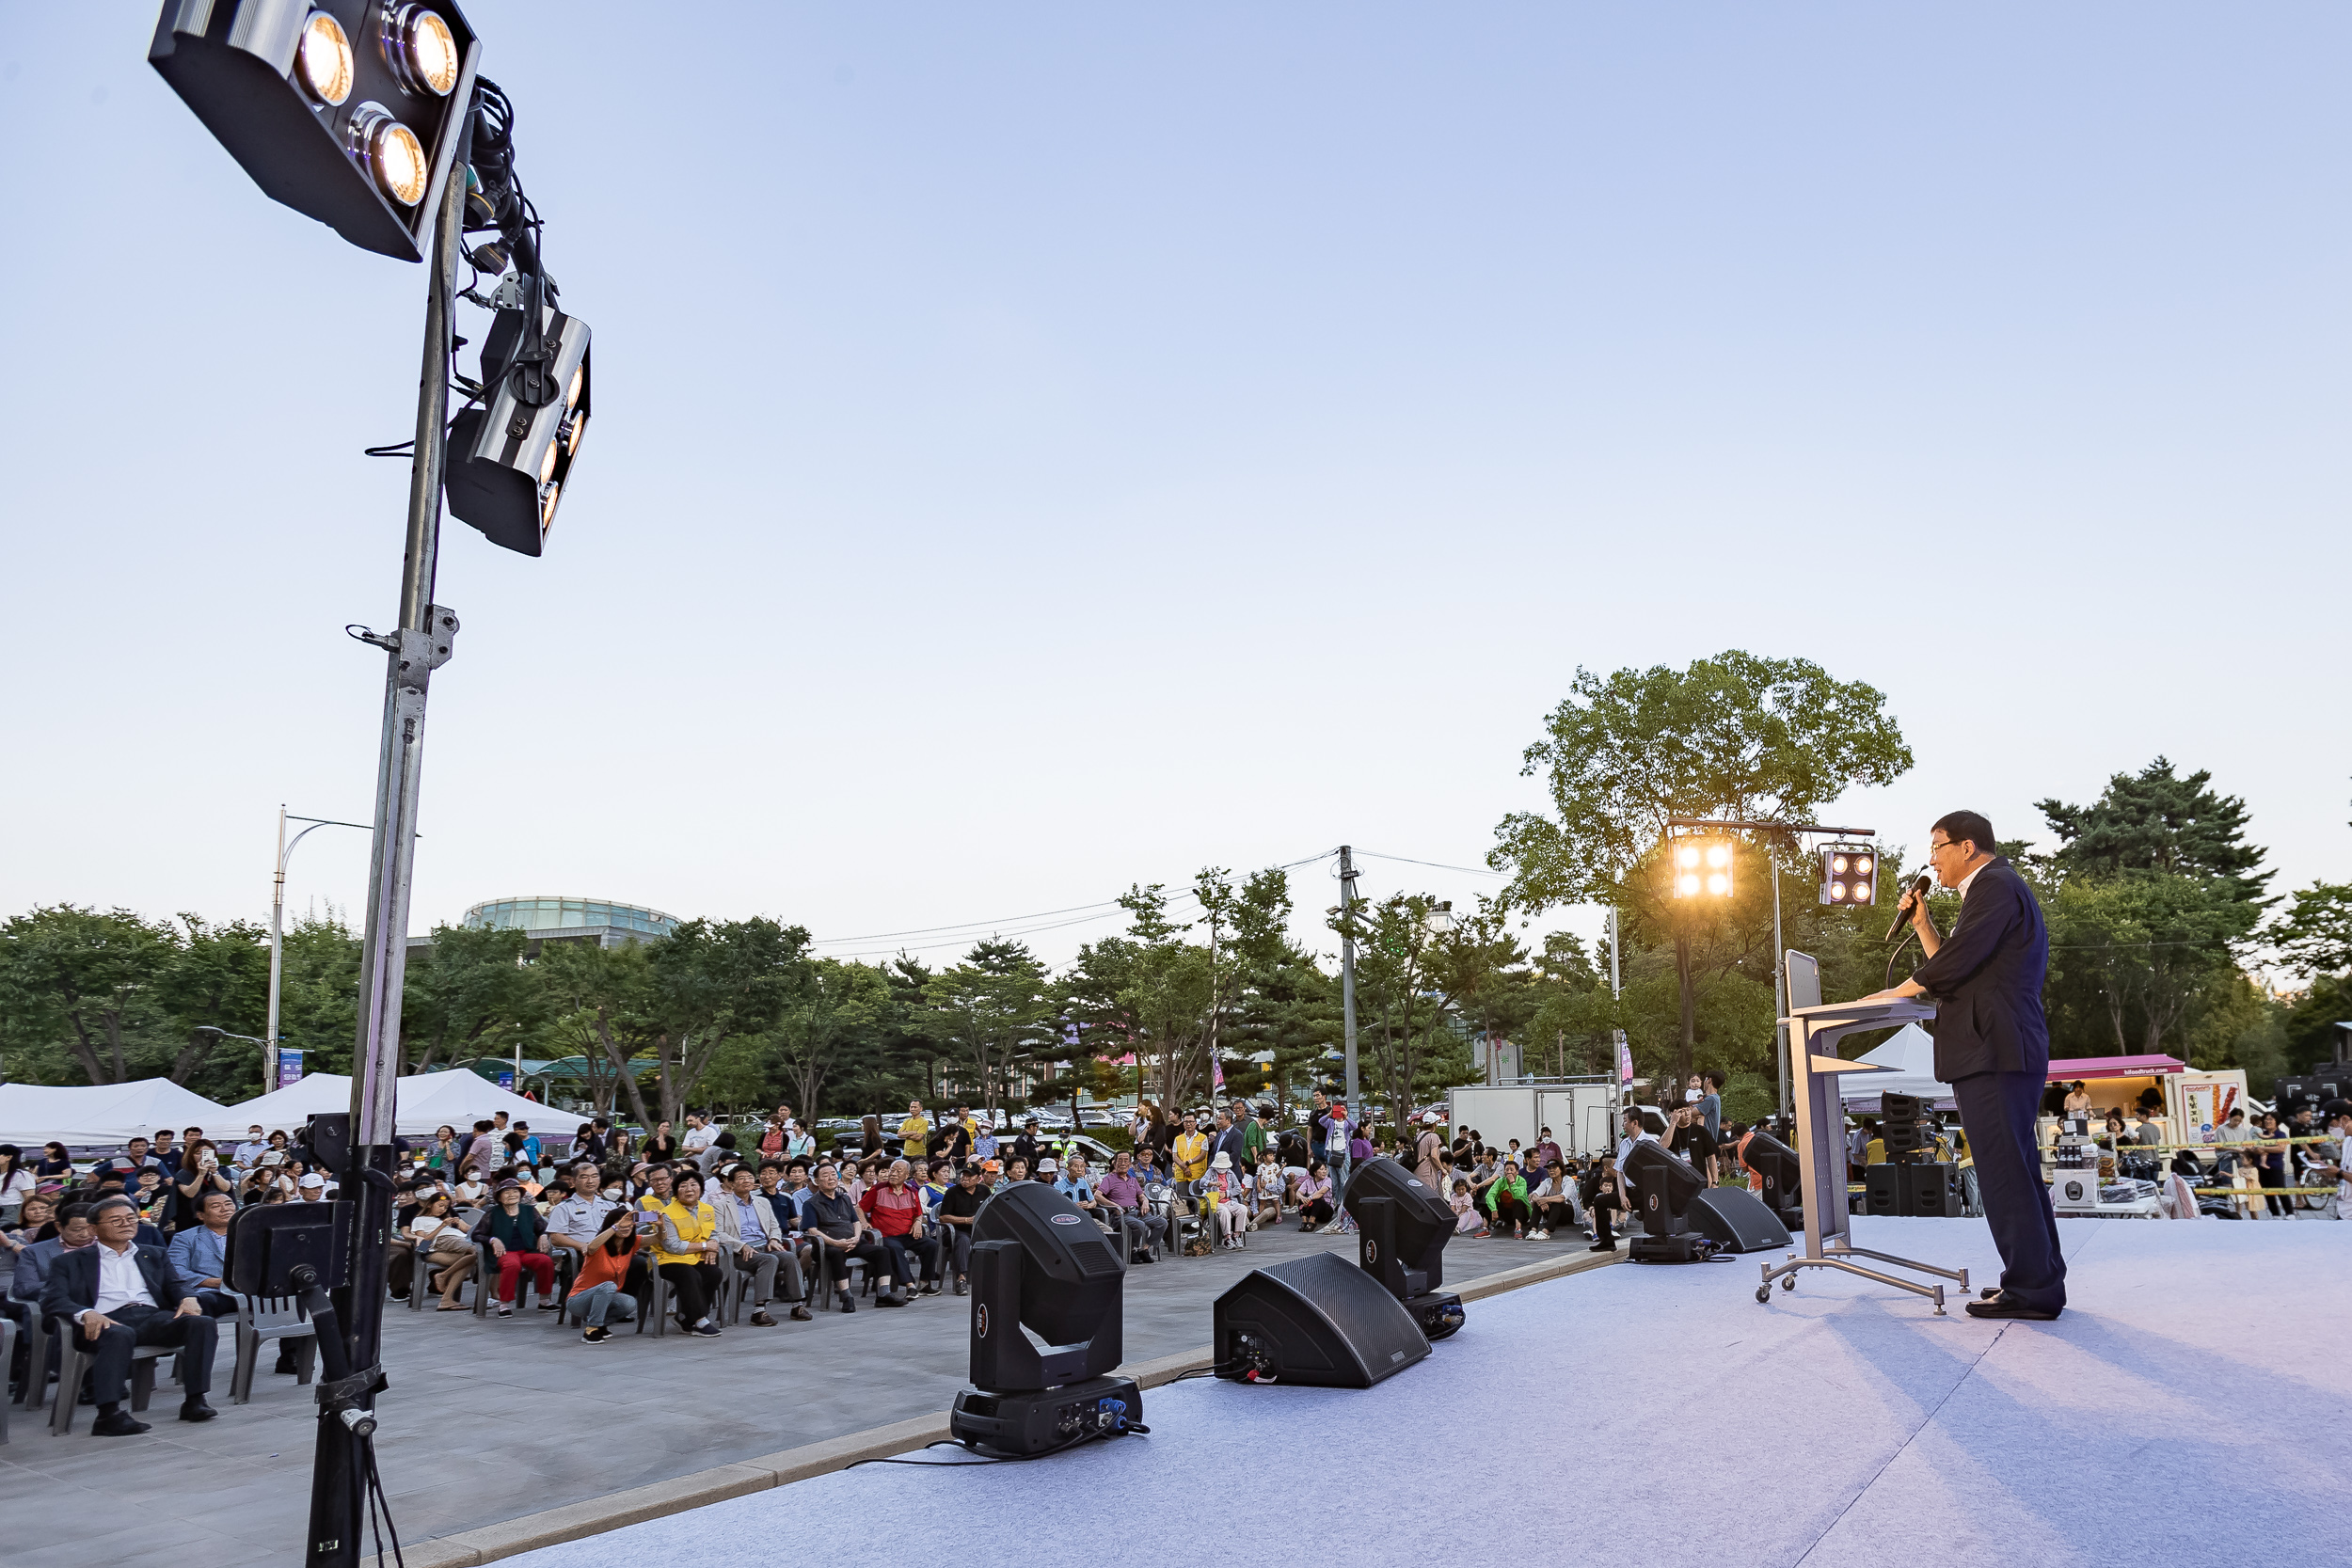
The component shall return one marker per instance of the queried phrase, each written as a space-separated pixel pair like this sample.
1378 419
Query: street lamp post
277 932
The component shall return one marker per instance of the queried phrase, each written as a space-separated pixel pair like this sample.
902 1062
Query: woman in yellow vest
688 1254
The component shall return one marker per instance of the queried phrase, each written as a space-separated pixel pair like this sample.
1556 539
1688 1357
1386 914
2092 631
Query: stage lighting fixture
1046 1290
348 111
1849 874
1402 1230
1776 1166
1663 1186
510 463
1701 866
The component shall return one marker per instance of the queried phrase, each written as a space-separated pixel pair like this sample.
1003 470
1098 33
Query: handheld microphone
1918 889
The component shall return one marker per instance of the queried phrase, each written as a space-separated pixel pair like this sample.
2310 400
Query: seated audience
837 1231
895 1211
688 1254
512 1232
116 1295
753 1241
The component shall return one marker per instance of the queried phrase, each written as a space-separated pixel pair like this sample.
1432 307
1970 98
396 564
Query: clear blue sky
1045 447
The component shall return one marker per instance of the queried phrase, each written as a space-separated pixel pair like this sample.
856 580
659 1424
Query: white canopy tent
1910 1052
427 1100
83 1114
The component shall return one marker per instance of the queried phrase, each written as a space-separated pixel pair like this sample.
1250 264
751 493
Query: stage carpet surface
2193 1406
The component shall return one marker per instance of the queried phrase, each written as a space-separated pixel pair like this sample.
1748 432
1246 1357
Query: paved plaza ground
489 1419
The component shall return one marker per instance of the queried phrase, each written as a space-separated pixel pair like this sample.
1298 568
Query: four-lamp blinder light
1700 867
1849 874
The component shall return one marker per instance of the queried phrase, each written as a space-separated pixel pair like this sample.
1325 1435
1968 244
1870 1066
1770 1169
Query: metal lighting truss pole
418 646
1780 964
1347 964
276 931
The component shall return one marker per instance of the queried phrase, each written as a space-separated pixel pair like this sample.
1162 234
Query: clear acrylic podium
1814 1030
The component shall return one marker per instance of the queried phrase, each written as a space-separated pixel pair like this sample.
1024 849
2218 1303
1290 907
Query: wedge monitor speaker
1318 1320
1735 1221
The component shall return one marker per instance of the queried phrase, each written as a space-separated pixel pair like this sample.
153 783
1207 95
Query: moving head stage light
1402 1231
1775 1165
1664 1185
1046 1290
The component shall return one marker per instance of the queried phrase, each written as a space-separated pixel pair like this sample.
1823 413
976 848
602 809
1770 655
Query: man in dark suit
118 1296
1993 1046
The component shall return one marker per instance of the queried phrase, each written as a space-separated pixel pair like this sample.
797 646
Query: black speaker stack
1905 1125
1923 1188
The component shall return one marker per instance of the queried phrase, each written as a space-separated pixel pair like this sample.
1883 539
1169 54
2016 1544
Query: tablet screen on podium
1804 980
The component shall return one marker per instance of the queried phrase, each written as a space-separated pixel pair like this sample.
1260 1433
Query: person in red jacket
895 1210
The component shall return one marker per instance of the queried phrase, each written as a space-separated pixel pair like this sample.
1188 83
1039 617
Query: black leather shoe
2003 1307
120 1424
194 1409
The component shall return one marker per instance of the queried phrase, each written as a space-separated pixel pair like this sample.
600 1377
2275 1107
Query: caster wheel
1763 1292
1788 1282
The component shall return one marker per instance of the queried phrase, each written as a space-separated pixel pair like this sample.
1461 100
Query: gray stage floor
2193 1401
486 1420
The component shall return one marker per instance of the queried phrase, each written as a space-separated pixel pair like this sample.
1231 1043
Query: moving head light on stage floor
1775 1165
1403 1227
1046 1288
1686 1221
1664 1183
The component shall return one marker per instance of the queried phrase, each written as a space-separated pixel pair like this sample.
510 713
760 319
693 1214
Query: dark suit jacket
72 1285
1986 980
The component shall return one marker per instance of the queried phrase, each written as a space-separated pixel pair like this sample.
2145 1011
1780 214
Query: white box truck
1581 1115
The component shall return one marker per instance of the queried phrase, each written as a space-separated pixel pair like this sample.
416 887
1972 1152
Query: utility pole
1347 965
1617 1037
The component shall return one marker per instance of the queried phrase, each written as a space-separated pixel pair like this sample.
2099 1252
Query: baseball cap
1430 1118
313 1178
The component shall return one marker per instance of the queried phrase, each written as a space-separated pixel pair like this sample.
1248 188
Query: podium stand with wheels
1814 1030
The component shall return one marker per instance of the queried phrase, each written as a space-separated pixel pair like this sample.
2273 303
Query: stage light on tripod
1849 876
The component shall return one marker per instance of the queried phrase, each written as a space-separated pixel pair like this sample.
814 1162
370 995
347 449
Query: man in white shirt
250 1151
120 1296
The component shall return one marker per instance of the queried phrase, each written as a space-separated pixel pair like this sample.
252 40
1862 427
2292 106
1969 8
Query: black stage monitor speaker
1318 1320
1735 1221
1930 1190
1885 1189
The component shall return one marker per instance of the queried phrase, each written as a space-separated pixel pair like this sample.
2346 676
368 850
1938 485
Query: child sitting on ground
1465 1208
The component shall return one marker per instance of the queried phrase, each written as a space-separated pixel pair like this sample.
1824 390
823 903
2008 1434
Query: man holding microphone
1993 1046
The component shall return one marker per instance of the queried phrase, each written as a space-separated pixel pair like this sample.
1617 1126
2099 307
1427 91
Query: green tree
843 1005
1734 737
2153 821
711 981
87 981
995 1010
318 1000
219 975
2314 936
598 1004
472 982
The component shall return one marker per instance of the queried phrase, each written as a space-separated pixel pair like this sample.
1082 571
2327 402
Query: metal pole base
1841 1258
